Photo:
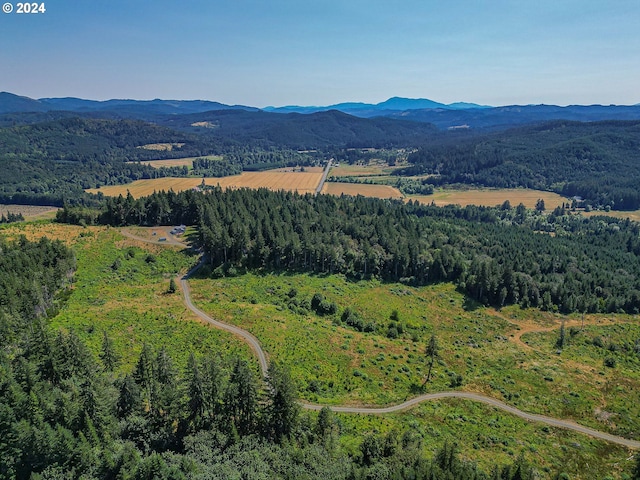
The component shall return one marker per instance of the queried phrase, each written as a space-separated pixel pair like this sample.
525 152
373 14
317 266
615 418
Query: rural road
246 336
476 397
324 177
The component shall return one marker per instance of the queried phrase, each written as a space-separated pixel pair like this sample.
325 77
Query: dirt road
476 397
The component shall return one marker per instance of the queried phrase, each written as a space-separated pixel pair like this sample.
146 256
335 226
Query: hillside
317 130
50 162
598 161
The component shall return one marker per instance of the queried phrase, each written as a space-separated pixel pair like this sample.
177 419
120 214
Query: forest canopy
598 161
497 256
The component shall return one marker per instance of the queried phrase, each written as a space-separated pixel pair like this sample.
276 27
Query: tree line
497 256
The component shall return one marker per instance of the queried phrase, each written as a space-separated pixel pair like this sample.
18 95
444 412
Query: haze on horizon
325 52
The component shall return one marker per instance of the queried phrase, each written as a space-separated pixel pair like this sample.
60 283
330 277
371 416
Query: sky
322 52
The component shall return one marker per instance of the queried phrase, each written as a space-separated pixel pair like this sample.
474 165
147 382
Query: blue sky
280 52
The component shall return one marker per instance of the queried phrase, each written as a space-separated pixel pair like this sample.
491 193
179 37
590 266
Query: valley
536 330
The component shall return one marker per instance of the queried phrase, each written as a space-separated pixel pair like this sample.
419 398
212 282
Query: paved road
324 177
476 397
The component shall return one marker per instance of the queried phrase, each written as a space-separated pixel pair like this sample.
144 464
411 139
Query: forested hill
497 256
317 130
597 161
52 162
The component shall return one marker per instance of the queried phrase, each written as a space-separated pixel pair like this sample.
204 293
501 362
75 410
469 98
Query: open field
29 212
298 169
337 364
634 215
161 147
121 287
379 191
302 182
360 170
508 354
492 197
178 162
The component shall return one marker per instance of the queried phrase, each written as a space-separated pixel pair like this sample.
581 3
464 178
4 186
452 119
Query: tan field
178 162
366 190
29 212
302 182
297 169
357 170
491 197
634 215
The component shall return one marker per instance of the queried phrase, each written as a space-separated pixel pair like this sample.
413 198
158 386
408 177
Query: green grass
334 364
491 437
121 287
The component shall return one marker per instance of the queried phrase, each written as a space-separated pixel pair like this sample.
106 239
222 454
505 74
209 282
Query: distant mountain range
10 103
459 115
386 108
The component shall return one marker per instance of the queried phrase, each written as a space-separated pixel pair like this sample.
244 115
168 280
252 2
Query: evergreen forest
598 162
497 256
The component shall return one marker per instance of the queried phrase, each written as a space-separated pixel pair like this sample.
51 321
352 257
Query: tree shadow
471 305
417 388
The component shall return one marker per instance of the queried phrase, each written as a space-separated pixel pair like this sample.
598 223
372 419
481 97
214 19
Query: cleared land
634 215
297 169
302 182
492 197
178 162
379 191
163 147
359 170
29 212
508 354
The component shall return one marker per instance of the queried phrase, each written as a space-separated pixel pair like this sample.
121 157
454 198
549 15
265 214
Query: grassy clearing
491 437
120 287
492 197
337 365
633 215
302 182
178 162
162 147
361 170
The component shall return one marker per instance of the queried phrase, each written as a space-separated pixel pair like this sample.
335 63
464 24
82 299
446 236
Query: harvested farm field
366 190
492 197
29 212
302 182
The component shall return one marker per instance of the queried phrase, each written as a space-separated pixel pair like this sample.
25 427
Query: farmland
302 182
162 147
177 162
361 170
29 212
367 190
492 197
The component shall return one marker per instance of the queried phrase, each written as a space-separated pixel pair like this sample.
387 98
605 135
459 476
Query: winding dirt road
246 336
476 397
